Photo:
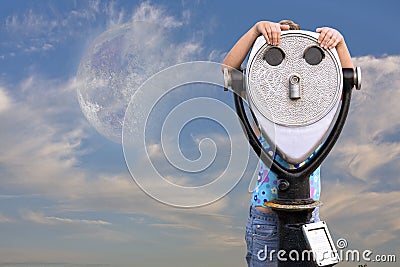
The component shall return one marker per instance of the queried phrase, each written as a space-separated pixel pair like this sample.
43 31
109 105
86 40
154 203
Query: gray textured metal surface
320 84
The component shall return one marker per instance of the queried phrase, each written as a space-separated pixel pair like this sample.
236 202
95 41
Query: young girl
261 229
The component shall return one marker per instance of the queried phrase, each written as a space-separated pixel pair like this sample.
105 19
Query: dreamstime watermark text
344 255
355 255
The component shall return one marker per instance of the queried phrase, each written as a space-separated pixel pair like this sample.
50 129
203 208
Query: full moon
114 66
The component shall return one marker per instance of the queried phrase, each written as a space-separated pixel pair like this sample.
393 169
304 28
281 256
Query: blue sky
66 194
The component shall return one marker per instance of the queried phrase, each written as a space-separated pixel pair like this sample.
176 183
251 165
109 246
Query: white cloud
36 256
115 15
363 159
6 219
5 100
156 14
367 219
216 56
36 31
29 22
41 157
41 219
188 51
370 139
36 145
36 218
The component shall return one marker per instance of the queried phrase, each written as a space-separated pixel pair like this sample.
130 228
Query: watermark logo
341 243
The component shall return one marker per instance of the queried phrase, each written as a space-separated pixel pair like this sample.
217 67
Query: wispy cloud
41 156
6 219
370 140
42 219
37 146
77 228
5 100
157 14
365 219
44 28
30 23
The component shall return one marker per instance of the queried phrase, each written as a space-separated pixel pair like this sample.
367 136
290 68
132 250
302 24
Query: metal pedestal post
294 209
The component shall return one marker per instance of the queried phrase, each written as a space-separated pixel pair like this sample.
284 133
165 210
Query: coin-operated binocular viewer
299 96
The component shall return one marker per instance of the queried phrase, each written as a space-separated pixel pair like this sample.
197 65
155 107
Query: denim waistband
265 216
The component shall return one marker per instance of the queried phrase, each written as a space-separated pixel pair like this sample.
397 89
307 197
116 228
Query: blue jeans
262 238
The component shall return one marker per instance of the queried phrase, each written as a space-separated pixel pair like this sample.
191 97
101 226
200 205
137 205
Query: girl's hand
329 37
271 31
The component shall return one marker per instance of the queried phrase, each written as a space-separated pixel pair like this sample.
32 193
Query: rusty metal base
293 207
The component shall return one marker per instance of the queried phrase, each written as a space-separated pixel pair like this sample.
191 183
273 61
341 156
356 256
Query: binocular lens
274 56
313 55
